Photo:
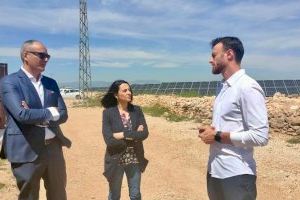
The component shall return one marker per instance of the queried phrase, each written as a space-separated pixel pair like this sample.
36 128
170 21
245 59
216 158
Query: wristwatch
218 136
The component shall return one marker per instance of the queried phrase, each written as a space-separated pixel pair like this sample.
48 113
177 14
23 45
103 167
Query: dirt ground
177 167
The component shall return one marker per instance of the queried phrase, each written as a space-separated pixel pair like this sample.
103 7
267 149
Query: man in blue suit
33 140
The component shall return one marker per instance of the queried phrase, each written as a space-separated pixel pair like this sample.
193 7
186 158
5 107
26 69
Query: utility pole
84 52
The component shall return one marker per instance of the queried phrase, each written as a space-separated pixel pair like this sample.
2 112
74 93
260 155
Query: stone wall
284 112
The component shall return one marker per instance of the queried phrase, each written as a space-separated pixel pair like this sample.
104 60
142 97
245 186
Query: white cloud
272 63
44 20
64 53
124 58
166 7
166 20
107 64
281 40
9 52
123 54
265 11
166 65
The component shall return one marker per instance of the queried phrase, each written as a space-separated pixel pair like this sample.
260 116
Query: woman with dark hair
123 128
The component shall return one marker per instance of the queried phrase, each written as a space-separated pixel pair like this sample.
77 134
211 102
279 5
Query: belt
49 141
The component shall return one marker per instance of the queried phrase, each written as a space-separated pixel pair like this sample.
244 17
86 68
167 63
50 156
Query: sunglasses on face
41 55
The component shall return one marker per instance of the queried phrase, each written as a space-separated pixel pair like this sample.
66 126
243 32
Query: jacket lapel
28 91
47 92
133 118
116 116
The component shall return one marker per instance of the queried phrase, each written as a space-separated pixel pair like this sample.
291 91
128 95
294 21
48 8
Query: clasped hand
207 134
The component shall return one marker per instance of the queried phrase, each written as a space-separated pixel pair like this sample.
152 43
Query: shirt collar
236 76
30 76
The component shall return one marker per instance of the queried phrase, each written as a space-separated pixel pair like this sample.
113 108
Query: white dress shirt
240 109
40 90
1 136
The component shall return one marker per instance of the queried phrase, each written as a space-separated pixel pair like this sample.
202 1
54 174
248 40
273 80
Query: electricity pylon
84 52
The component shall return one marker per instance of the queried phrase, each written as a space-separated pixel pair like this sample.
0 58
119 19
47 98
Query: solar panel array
209 88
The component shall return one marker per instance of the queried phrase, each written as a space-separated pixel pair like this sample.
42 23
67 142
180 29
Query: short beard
218 69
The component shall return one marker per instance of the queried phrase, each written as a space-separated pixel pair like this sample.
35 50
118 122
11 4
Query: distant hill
75 84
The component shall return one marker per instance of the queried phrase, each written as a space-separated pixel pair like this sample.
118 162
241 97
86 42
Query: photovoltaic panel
179 85
279 83
264 89
171 85
213 84
196 85
270 91
163 85
269 83
270 87
261 83
282 90
289 83
188 85
292 90
204 84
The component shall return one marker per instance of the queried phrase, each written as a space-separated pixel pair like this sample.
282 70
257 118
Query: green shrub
294 140
94 101
160 111
1 185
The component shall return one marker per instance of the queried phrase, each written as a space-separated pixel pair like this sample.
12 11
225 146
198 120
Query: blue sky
165 40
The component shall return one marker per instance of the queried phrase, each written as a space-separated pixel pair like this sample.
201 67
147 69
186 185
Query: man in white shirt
33 140
240 122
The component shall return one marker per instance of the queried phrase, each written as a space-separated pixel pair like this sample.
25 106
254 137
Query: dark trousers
133 174
242 187
50 166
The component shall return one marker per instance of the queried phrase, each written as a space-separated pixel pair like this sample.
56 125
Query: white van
70 93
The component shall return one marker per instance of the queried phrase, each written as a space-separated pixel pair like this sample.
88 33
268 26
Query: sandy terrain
177 167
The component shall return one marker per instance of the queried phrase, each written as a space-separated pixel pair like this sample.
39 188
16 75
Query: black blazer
112 123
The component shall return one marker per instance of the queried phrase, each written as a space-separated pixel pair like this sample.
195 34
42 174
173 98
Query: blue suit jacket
23 140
